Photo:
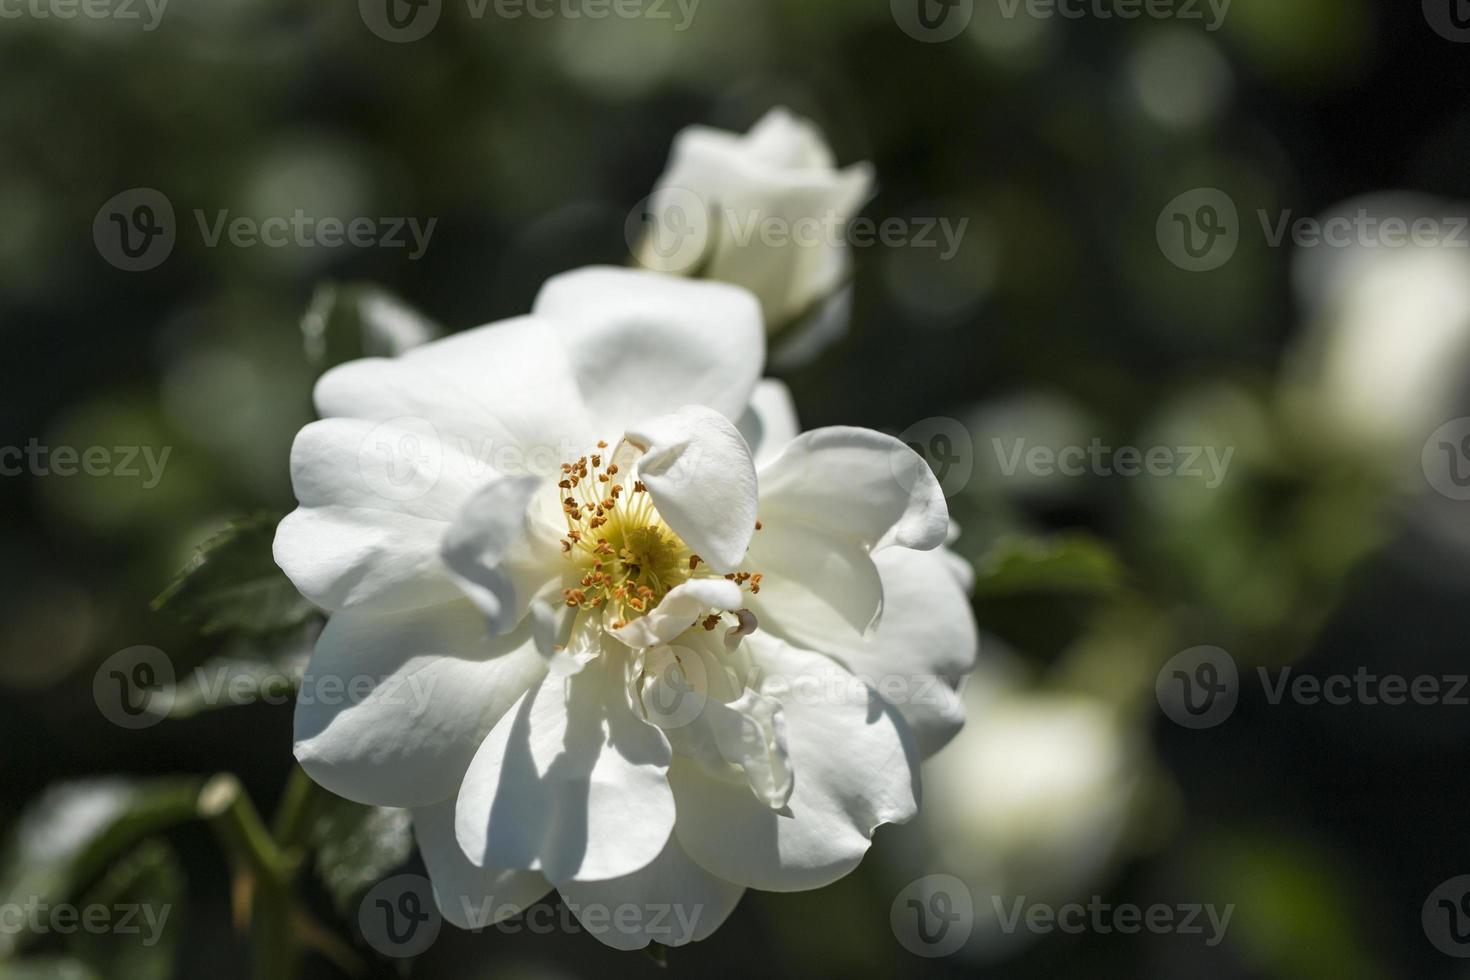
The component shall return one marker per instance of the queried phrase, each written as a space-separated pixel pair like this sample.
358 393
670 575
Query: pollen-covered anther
634 559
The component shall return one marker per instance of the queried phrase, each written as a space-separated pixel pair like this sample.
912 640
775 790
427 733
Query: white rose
1033 800
767 210
1387 352
621 620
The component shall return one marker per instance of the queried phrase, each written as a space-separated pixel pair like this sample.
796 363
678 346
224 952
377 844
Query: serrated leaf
1073 564
74 832
232 584
346 321
357 846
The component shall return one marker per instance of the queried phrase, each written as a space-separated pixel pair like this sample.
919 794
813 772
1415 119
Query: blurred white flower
1033 799
550 695
1387 349
767 210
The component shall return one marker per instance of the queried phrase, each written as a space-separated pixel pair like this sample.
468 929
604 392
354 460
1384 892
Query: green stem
298 804
225 805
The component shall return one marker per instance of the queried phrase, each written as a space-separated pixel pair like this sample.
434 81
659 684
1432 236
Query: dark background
530 142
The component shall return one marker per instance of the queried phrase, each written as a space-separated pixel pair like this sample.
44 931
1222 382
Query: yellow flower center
629 557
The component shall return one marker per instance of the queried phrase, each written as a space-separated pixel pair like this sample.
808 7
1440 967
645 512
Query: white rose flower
1384 360
1034 800
638 678
767 210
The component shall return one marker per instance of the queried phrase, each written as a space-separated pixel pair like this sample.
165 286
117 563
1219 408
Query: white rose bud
767 210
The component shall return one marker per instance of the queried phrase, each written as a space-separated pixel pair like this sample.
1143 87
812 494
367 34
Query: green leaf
73 833
246 671
346 321
356 846
144 896
232 584
1071 564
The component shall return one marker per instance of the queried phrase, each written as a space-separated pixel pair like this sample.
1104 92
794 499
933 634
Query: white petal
644 344
500 551
672 901
924 645
467 896
858 483
569 783
505 390
769 422
810 575
393 706
780 176
698 470
733 733
685 605
855 769
375 500
781 139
